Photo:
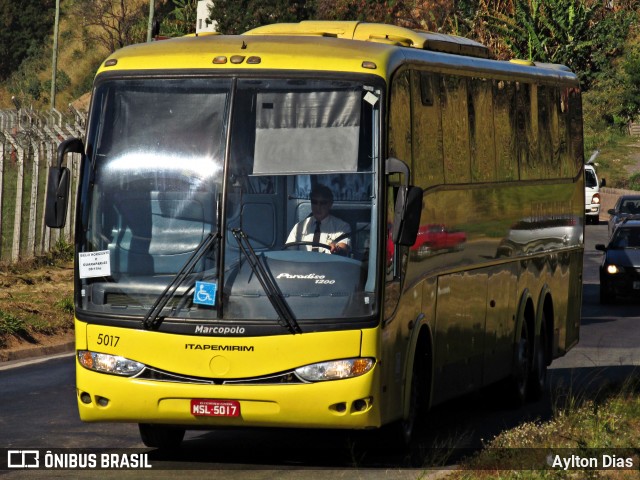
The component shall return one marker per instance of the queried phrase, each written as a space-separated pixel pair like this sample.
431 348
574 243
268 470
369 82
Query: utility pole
54 68
150 25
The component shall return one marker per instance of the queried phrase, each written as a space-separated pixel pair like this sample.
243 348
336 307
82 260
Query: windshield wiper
286 316
152 319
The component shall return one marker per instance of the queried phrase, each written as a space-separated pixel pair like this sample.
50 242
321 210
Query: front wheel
403 432
161 436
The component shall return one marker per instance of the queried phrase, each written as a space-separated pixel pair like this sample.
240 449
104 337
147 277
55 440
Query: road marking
32 361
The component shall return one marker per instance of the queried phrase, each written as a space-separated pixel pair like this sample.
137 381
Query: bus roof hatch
379 33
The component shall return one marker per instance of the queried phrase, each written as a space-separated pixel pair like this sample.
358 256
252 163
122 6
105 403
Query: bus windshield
260 164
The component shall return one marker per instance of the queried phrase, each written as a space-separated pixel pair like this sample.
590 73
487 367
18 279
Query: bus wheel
160 436
399 436
538 378
522 365
408 425
418 399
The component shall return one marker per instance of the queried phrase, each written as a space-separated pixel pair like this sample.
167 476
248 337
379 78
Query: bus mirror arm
408 205
58 185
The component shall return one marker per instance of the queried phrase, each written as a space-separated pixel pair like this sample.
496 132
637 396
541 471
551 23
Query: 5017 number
108 340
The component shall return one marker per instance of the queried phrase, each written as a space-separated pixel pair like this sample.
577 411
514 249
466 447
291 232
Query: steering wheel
313 244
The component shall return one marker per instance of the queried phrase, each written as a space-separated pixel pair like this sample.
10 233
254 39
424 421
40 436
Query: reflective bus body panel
521 215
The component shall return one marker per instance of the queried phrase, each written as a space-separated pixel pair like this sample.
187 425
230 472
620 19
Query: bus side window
527 128
481 131
399 118
504 116
575 129
455 129
427 167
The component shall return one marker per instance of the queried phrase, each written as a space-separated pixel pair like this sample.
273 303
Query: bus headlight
335 369
105 363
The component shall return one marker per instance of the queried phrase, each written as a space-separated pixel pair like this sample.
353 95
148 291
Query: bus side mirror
407 215
408 207
57 199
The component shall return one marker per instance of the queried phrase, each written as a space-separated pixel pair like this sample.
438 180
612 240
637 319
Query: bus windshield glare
253 162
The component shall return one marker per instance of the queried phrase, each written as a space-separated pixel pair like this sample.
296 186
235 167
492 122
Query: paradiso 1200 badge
319 279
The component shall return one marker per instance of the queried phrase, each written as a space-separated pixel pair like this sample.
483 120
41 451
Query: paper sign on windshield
94 264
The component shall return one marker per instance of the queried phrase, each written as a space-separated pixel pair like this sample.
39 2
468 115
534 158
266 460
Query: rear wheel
538 377
161 436
519 381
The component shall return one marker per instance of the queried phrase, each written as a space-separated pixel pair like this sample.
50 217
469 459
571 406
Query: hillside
79 56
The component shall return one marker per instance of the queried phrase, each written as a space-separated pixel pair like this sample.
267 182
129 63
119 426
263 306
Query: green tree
24 26
112 24
238 16
179 17
433 15
569 32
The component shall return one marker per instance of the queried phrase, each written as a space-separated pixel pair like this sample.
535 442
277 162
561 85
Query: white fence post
37 134
17 219
33 201
2 137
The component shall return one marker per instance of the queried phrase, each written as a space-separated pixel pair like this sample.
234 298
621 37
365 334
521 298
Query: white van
592 194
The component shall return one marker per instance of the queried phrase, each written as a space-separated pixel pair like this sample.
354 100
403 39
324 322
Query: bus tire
538 377
160 436
519 381
406 427
401 434
419 393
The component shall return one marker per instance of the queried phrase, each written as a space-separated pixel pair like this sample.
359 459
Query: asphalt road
38 410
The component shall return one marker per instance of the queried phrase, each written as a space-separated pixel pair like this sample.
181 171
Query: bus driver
321 227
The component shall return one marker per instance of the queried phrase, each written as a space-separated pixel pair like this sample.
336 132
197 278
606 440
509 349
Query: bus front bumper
347 403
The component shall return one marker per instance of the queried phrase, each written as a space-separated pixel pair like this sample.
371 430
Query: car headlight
105 363
335 369
614 269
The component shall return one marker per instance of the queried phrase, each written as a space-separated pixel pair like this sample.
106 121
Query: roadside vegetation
603 425
617 158
36 299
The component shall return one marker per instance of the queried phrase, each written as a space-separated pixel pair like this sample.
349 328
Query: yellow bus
453 184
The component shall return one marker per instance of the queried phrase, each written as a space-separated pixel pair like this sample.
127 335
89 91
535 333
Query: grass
606 424
27 313
618 155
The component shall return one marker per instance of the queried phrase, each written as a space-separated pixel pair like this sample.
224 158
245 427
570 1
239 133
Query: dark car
625 206
620 269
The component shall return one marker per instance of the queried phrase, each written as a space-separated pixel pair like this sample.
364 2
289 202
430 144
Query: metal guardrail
29 141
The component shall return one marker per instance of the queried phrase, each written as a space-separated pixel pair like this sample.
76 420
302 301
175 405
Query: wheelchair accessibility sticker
205 293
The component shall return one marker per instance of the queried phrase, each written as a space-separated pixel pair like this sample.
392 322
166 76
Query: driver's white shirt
330 228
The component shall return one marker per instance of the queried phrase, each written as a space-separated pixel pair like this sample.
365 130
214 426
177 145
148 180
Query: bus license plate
201 407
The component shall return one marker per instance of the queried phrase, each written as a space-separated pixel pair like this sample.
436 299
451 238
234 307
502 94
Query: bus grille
151 373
